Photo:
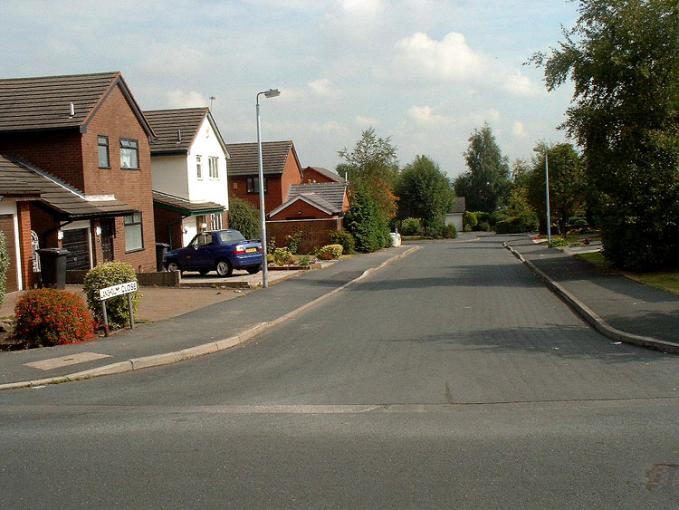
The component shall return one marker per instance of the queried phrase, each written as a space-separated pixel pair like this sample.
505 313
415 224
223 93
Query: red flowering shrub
51 317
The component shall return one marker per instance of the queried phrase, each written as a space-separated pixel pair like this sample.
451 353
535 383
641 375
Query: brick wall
273 197
116 119
168 224
315 233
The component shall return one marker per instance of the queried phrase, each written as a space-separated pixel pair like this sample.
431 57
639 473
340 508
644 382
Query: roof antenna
72 110
212 98
179 135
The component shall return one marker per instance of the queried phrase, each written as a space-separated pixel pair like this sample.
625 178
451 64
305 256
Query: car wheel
254 269
224 268
172 267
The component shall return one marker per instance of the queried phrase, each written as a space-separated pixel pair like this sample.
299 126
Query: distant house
189 162
454 216
83 144
317 174
315 210
281 170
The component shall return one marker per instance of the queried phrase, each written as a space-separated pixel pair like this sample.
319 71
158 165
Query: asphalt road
451 379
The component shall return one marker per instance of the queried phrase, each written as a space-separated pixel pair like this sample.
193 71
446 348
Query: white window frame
199 167
213 167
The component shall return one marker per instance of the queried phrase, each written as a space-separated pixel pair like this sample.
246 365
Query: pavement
223 324
617 306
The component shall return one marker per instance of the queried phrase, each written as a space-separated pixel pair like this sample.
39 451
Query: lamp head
272 93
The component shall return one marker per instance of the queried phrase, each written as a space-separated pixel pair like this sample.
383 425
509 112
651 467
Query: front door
107 233
77 243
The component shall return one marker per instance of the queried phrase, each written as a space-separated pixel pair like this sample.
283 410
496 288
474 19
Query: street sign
117 290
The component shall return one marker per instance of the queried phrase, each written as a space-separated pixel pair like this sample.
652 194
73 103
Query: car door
188 257
205 252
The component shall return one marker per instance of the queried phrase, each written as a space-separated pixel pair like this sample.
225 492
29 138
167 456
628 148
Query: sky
425 73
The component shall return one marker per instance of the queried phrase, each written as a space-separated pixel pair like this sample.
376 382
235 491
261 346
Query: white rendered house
190 188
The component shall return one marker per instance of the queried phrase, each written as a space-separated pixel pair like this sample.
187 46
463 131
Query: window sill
104 168
130 168
134 251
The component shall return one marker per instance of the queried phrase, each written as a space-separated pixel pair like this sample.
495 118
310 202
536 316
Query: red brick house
317 174
84 143
281 170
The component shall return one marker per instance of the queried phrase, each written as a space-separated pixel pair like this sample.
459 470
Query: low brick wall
150 279
315 233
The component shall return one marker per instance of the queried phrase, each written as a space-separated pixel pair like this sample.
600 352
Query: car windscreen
231 236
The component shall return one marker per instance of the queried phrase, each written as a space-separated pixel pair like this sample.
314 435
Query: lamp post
262 212
549 216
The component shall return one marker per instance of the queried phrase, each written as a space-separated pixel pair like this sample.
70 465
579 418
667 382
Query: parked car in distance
216 250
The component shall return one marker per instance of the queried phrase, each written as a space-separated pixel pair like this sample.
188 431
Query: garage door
7 226
75 241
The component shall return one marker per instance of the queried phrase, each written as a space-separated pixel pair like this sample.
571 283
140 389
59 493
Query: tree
566 184
486 184
244 218
372 164
365 221
623 57
424 192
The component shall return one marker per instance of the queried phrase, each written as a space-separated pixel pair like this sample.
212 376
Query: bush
47 317
450 232
244 218
411 227
578 222
4 264
345 239
330 252
304 261
470 220
107 275
558 242
367 223
483 226
282 256
293 241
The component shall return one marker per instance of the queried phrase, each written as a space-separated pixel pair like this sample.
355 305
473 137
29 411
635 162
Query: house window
102 144
213 167
216 221
199 167
253 184
129 154
234 185
134 238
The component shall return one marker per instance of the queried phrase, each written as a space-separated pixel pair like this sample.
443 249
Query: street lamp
548 213
262 213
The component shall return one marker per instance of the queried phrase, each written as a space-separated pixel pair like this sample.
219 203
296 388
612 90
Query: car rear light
239 250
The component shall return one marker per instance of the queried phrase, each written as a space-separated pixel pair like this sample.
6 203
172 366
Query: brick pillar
25 247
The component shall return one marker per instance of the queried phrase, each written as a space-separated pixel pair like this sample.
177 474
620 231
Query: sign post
117 290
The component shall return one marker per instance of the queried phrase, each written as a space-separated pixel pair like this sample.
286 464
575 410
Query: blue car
216 250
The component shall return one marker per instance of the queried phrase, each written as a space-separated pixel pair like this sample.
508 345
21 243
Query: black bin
53 267
161 250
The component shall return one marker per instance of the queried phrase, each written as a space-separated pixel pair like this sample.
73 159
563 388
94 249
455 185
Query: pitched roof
328 173
183 205
310 198
331 192
176 129
245 157
16 175
40 103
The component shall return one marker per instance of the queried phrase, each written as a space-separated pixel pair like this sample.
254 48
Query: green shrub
293 241
107 275
411 227
47 317
4 264
483 226
244 218
578 222
366 222
282 256
450 232
304 261
345 239
330 252
469 219
558 242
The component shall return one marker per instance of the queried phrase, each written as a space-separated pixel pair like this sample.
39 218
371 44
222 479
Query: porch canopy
183 206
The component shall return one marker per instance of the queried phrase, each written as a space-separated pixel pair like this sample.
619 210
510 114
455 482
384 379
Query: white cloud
448 59
520 85
185 99
519 130
323 87
424 115
366 121
361 7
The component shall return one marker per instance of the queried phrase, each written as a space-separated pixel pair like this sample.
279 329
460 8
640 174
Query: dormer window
102 144
129 154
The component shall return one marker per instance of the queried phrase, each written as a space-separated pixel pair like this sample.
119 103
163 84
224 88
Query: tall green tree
486 183
244 218
366 222
566 184
623 57
372 165
424 192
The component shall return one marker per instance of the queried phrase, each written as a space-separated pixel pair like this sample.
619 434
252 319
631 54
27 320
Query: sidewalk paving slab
624 304
207 325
